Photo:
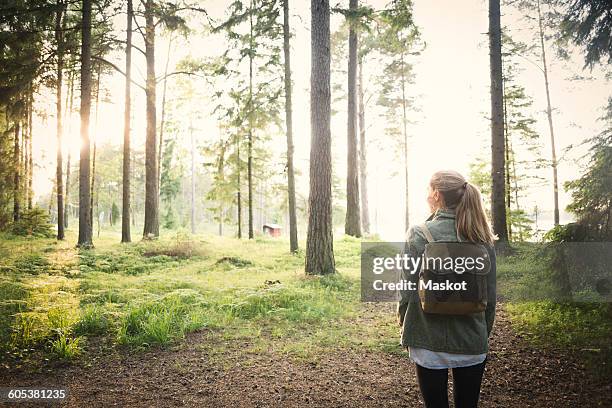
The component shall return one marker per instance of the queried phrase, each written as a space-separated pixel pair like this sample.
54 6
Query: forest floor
244 339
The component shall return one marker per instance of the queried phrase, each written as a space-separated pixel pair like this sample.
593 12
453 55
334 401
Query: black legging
466 386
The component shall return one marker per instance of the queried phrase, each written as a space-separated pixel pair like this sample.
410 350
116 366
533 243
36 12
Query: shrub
34 222
32 264
93 321
160 321
65 347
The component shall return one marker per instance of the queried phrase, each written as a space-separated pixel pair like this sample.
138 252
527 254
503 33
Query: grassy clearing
54 298
153 293
527 286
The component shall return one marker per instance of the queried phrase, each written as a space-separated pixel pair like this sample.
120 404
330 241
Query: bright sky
452 92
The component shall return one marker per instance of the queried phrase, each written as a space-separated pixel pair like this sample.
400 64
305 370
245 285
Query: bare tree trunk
516 196
250 135
59 131
319 242
221 176
352 225
507 158
70 103
25 131
238 194
67 189
293 237
95 150
30 159
363 163
85 230
550 120
151 221
508 185
16 174
498 206
193 175
162 123
405 133
126 235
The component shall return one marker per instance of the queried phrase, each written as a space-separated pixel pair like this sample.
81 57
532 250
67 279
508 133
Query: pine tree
498 166
319 241
85 227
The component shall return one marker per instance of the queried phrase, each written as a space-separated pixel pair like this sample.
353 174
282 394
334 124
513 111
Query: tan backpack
447 285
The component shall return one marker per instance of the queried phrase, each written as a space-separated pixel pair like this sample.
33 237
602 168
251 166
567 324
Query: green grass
153 293
54 297
527 287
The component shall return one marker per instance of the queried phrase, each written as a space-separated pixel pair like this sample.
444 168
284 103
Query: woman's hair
458 194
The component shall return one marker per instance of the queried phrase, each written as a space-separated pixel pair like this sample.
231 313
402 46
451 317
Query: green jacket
451 334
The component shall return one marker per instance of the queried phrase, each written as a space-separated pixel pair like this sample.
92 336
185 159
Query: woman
439 342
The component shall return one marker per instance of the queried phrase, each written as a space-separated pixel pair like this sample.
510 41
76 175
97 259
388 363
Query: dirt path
517 376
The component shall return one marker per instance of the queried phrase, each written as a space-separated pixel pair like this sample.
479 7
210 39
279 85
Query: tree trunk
498 206
508 185
352 224
507 158
30 159
293 237
319 242
163 118
67 189
25 130
239 187
405 133
85 230
550 121
151 221
193 175
516 188
59 130
95 150
250 135
221 179
70 103
126 235
363 163
16 174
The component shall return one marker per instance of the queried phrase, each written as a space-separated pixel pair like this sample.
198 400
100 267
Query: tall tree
69 110
162 123
522 147
549 116
250 121
353 217
59 130
16 173
397 41
193 180
238 186
151 221
363 157
319 242
30 172
293 237
85 228
498 188
592 192
254 34
125 209
94 191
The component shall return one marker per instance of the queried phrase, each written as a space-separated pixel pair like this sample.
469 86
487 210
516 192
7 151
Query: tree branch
116 68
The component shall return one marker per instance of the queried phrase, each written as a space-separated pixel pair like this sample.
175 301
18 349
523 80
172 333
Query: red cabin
273 230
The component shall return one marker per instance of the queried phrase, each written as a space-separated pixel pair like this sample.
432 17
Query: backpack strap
426 232
457 232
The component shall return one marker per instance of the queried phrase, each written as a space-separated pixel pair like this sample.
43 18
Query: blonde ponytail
458 194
